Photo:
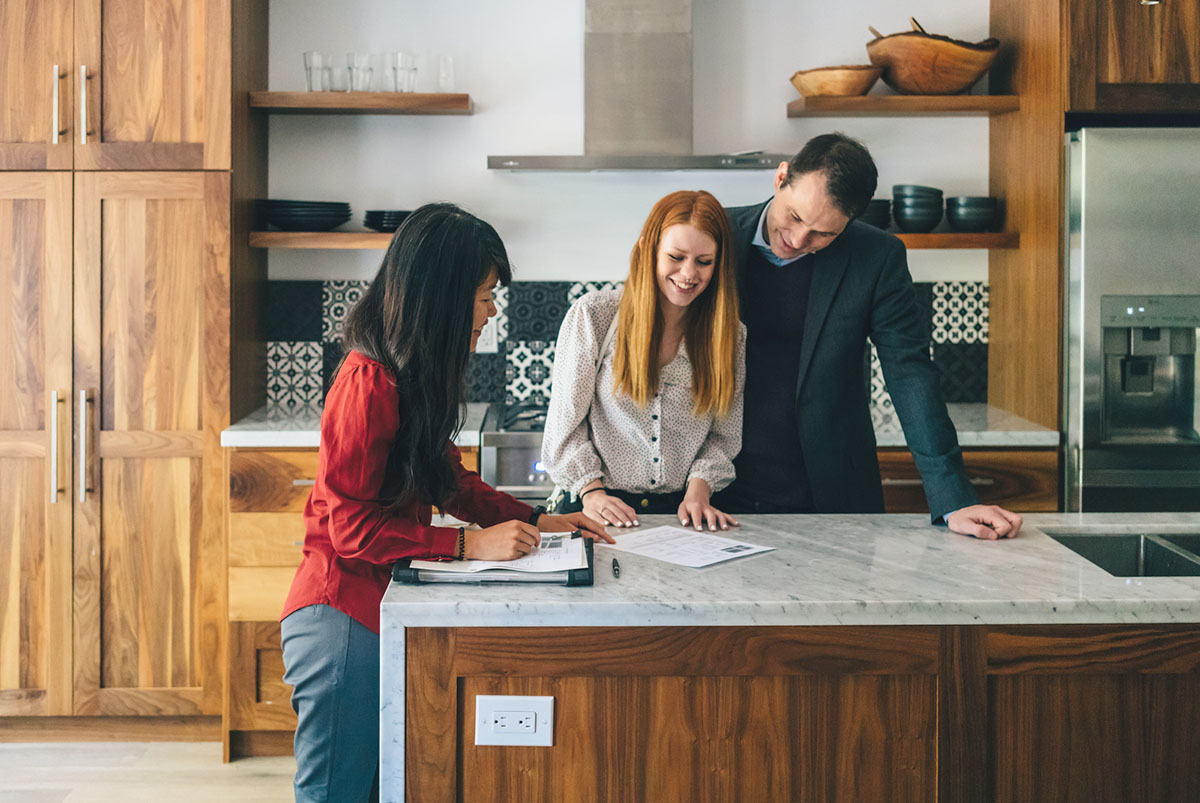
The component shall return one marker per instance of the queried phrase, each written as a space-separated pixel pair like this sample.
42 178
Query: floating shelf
950 239
368 239
902 105
320 239
362 102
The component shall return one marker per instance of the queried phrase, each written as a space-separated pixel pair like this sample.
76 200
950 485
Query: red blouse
350 540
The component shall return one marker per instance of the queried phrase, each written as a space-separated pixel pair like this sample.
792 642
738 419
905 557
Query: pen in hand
616 568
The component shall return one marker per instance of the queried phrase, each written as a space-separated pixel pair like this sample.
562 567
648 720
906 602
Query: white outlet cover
488 707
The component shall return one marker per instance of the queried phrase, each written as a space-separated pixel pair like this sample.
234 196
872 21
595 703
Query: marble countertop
838 570
978 425
277 428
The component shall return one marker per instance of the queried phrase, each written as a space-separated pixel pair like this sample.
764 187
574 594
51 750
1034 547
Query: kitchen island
866 658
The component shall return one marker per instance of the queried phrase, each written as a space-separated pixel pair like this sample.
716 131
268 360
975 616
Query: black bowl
917 222
972 202
970 220
914 190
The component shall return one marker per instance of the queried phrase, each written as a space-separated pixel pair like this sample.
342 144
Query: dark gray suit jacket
861 288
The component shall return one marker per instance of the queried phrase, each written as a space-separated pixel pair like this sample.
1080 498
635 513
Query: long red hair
711 321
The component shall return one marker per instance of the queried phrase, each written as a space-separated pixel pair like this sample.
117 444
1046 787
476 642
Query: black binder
403 573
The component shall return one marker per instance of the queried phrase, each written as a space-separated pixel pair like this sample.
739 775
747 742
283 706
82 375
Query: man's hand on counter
574 521
985 521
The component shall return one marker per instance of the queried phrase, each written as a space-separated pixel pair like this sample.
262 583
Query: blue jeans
332 664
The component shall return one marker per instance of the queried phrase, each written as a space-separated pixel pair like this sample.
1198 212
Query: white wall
522 62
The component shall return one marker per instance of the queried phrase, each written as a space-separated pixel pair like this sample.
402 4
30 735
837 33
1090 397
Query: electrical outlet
489 341
514 720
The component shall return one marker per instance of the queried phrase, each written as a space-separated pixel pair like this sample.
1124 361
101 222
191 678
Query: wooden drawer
265 539
1017 480
271 481
257 593
258 697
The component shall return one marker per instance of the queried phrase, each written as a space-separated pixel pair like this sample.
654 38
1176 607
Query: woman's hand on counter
506 541
587 526
696 509
599 506
988 522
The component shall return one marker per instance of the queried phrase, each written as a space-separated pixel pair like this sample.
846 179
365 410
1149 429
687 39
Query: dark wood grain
1021 480
1093 649
962 703
263 481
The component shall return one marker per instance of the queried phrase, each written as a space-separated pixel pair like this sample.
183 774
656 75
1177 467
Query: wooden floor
178 772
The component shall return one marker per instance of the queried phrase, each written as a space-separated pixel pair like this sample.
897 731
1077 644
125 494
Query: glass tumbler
359 67
316 70
445 81
404 71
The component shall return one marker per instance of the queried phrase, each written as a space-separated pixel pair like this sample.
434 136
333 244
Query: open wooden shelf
320 239
377 240
362 102
950 239
902 105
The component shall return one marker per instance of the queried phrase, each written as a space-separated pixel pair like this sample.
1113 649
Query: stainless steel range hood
637 99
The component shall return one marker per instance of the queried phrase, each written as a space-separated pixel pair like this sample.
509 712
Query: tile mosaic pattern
486 378
337 297
578 289
293 311
294 370
536 309
527 371
960 312
305 321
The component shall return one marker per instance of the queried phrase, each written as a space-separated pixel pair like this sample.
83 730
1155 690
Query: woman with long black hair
385 459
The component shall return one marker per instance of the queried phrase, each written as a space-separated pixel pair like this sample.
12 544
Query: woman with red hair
646 406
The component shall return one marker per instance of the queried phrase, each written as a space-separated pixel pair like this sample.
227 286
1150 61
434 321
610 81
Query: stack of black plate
301 215
384 219
878 213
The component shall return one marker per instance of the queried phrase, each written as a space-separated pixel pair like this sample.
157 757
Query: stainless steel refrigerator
1131 393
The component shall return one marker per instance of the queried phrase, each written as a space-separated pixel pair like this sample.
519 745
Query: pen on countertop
616 568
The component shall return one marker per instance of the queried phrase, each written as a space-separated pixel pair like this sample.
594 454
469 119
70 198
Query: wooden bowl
919 63
854 79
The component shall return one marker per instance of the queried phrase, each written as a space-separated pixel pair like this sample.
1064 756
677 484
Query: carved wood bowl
919 63
853 79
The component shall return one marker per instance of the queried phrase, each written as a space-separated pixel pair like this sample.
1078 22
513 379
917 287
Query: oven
510 452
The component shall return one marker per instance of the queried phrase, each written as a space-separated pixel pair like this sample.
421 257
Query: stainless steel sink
1136 554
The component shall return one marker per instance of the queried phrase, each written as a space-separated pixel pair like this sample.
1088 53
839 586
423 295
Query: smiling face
485 306
684 264
802 218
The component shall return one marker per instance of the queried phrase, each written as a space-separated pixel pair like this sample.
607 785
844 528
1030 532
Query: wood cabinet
115 354
1020 480
35 444
1123 56
115 85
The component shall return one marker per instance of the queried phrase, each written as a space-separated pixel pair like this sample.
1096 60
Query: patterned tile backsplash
305 320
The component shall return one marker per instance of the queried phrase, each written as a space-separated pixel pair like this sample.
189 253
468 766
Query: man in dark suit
814 285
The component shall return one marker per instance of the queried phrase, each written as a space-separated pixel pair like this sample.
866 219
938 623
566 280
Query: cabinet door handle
54 110
914 481
84 487
82 107
303 482
55 487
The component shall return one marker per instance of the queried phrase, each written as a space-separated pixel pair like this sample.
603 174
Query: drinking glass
404 71
445 82
359 67
316 70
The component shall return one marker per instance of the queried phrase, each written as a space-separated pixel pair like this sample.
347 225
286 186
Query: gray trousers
332 664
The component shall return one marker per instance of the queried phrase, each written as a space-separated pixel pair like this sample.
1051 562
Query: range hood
637 95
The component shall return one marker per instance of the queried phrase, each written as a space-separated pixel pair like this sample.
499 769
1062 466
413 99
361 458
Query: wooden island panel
954 713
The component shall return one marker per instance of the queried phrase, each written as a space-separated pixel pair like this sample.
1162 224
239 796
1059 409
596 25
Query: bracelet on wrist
589 490
461 552
536 514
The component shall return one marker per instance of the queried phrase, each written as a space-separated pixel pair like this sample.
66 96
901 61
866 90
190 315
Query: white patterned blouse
592 433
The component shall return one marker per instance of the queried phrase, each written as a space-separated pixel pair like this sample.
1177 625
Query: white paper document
684 547
558 552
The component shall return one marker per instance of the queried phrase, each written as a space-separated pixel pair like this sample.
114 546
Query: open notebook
564 558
